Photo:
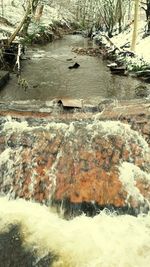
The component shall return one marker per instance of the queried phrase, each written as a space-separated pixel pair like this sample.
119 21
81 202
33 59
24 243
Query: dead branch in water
18 59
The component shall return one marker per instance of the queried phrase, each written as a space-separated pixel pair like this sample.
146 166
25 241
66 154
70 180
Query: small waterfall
69 182
84 166
81 167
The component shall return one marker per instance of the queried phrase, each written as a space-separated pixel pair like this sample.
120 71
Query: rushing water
48 76
102 241
35 235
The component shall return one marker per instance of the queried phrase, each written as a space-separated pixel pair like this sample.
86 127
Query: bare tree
12 37
33 5
108 14
135 28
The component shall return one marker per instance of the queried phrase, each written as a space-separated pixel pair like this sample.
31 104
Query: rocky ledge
83 162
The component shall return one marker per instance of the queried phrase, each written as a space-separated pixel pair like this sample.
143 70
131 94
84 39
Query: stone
74 66
142 90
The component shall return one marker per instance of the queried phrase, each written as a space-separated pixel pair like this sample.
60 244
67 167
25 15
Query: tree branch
12 37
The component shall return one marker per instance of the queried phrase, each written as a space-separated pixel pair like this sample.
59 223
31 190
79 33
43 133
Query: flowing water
48 76
103 241
32 234
35 235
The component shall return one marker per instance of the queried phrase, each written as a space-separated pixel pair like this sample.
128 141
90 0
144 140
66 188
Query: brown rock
86 170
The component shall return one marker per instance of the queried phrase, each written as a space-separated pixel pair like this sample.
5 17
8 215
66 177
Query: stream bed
47 76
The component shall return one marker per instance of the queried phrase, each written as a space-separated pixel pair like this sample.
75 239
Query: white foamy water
129 174
102 241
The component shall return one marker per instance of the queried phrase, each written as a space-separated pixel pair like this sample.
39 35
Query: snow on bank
124 40
143 49
142 45
14 11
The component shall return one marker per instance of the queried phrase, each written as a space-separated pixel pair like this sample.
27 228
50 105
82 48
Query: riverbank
47 22
117 50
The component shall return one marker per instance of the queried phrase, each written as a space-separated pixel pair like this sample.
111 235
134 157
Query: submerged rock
142 90
74 66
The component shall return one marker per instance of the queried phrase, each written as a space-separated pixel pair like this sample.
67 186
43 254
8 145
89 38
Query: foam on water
93 127
117 128
5 156
15 126
129 173
106 240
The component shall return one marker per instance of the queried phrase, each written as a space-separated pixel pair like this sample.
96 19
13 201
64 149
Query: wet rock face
86 165
13 252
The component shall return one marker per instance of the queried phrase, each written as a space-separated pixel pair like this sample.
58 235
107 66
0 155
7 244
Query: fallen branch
111 43
120 49
13 36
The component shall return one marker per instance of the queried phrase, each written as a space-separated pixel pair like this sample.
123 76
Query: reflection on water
48 75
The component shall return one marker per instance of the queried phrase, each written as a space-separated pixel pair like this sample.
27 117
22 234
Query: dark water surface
48 76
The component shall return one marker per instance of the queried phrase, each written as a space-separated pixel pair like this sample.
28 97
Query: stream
48 77
88 164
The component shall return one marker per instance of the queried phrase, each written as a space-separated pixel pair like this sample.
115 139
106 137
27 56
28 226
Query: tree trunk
120 16
120 24
129 10
25 26
135 27
148 15
33 6
12 37
2 7
148 27
38 12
